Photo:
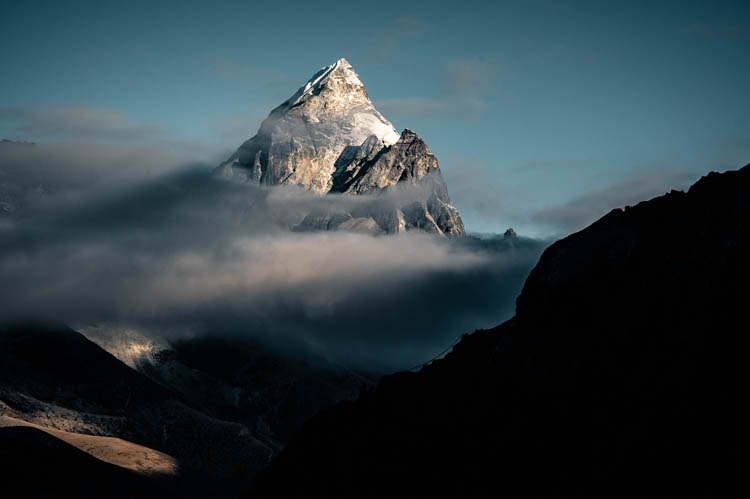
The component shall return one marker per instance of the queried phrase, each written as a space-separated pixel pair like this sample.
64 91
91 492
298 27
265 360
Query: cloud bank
177 251
595 203
74 123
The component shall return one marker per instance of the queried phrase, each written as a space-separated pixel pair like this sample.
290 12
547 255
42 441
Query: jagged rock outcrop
622 374
329 138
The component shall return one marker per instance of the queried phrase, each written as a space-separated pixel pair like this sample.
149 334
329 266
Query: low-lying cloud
182 252
595 203
79 123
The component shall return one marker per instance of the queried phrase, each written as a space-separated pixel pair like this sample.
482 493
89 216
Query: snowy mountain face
329 138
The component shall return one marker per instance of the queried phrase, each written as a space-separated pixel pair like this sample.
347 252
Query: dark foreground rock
35 464
623 374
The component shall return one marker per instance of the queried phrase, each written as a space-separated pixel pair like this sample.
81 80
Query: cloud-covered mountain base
184 253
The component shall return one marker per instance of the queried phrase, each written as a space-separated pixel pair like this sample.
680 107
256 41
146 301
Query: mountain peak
337 81
344 64
328 137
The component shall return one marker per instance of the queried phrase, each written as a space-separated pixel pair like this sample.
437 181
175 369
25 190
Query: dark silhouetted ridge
624 373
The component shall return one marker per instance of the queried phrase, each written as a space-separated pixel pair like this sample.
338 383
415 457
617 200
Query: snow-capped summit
336 87
326 134
314 126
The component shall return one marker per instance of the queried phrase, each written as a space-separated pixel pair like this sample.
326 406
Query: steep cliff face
329 138
621 375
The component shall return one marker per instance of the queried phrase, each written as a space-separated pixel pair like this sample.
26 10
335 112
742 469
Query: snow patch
377 125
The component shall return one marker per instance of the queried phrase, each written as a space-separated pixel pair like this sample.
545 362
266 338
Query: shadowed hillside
36 464
53 377
623 373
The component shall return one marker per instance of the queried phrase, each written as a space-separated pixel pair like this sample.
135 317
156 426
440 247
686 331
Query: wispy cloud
465 91
473 189
591 205
238 127
387 39
113 134
81 123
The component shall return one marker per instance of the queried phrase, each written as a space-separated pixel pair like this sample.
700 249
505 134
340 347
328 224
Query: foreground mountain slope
36 464
108 449
329 138
623 373
52 376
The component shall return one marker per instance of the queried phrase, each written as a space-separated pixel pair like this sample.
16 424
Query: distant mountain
329 138
240 379
622 374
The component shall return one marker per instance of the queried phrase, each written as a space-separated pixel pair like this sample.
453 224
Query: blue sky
543 114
